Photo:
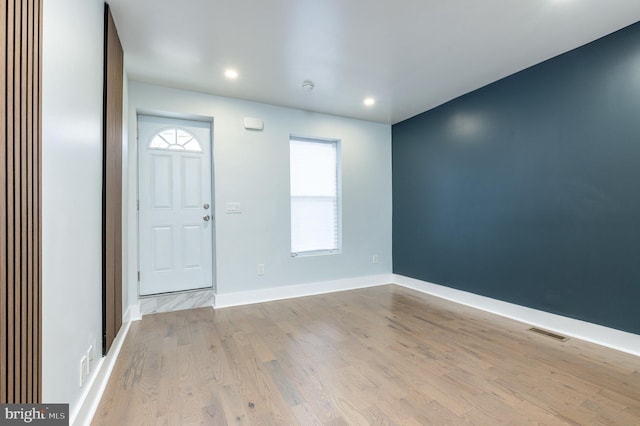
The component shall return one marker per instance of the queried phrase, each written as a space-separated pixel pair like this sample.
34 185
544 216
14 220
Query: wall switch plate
375 259
260 268
233 208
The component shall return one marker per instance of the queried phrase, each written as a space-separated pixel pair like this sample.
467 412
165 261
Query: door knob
205 206
206 218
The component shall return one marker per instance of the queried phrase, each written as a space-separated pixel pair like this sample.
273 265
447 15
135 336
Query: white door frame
182 117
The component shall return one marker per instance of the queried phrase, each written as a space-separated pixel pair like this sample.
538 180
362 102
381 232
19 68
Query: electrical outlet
83 369
260 268
375 259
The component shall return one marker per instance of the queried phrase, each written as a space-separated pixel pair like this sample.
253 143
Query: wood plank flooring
384 355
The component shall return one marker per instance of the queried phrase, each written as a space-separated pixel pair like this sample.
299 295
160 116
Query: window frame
338 196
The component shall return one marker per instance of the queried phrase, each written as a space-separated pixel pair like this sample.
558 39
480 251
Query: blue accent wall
528 190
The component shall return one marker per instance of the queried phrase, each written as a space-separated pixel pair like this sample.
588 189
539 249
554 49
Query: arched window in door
175 139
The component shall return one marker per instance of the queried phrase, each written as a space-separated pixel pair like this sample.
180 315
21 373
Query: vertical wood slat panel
3 199
112 181
20 192
16 201
10 238
24 190
29 204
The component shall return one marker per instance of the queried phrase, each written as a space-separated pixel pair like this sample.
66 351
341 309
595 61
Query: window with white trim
315 196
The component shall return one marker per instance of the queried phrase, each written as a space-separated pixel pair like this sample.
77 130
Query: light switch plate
233 208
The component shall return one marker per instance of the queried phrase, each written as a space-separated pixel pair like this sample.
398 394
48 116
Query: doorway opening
175 205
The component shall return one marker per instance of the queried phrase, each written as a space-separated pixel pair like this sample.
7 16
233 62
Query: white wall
127 298
253 168
71 192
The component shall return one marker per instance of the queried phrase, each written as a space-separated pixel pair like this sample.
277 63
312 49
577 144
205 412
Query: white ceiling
411 55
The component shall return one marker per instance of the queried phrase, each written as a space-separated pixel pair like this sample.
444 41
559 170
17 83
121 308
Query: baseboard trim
604 336
226 300
95 387
133 313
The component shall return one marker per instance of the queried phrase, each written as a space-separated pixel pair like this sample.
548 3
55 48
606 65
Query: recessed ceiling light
231 74
369 101
308 85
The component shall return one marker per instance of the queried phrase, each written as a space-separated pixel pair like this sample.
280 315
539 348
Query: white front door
175 205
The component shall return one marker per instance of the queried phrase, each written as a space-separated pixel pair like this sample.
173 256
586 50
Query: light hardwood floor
384 355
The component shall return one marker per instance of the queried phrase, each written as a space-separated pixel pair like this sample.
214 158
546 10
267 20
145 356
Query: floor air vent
558 337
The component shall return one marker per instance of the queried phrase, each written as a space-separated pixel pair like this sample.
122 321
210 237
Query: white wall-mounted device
251 123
